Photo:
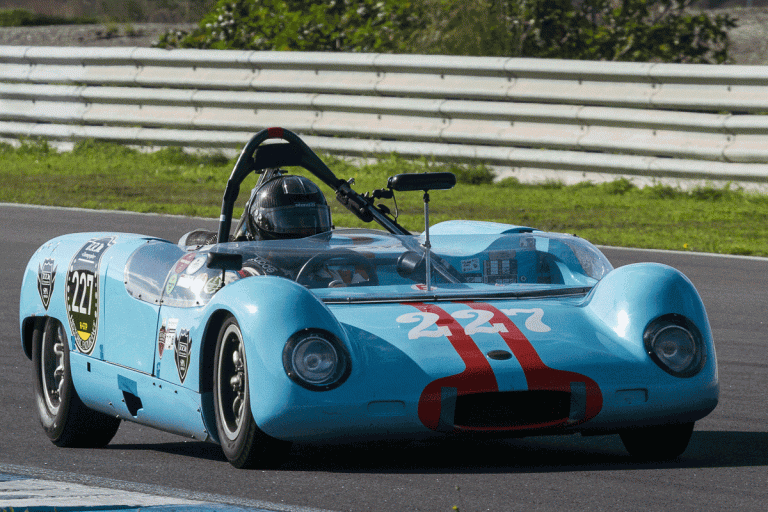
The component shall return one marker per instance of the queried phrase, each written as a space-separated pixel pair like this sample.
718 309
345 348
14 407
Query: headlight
316 360
675 344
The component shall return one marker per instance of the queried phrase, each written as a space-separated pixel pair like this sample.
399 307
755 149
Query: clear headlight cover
675 344
315 360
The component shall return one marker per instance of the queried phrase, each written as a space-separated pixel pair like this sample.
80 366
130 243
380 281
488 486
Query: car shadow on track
708 449
194 449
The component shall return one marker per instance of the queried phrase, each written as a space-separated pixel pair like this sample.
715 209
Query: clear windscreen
370 264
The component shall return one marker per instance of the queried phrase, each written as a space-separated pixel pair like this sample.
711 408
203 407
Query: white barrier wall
620 118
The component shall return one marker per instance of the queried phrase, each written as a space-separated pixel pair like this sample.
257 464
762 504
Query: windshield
361 264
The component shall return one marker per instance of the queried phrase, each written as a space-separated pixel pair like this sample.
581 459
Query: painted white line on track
25 488
94 210
687 253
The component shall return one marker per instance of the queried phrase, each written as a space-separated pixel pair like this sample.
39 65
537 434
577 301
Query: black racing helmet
287 207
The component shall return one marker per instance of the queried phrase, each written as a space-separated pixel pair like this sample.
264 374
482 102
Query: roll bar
257 157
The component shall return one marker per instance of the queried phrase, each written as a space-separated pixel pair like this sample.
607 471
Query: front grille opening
511 408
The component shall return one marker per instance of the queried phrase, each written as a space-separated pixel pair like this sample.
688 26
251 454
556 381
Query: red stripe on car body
478 376
538 375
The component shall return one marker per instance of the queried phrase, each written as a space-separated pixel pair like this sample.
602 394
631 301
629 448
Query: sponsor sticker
171 283
183 345
185 282
214 282
472 265
161 340
169 338
46 276
196 265
212 285
82 286
247 272
263 264
184 262
528 243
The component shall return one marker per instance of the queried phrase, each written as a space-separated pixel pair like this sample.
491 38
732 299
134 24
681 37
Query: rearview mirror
423 181
224 261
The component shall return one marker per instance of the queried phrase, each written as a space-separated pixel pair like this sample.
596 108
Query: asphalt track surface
725 466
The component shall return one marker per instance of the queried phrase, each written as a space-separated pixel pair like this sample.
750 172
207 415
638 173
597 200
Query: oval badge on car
499 355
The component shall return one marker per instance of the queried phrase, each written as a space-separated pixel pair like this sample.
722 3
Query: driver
280 207
284 206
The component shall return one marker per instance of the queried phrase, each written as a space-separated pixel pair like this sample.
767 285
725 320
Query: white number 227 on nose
427 327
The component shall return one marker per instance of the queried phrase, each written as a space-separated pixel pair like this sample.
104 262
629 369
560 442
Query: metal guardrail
618 118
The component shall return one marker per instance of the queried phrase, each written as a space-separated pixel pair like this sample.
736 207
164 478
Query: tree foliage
616 30
305 25
619 30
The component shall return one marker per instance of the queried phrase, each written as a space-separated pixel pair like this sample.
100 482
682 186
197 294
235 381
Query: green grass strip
109 176
25 18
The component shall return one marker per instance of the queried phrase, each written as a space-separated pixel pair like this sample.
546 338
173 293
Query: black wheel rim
52 367
231 377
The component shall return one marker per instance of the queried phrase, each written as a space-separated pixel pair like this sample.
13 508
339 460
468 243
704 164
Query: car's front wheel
242 442
66 420
662 442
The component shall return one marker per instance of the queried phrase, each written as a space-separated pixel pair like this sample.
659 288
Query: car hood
477 347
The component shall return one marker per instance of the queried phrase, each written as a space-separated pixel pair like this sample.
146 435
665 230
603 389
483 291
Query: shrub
618 187
472 175
626 30
303 25
662 191
617 30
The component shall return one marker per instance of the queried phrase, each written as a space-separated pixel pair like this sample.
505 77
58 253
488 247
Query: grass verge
109 176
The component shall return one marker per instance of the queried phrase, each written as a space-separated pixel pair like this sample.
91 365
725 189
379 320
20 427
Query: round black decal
83 292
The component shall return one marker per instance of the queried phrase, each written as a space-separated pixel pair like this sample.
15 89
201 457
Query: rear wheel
242 442
657 443
66 420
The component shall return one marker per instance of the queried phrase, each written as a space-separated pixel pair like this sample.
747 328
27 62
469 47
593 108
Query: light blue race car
470 328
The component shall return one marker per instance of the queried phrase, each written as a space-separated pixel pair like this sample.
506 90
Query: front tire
66 420
242 442
662 442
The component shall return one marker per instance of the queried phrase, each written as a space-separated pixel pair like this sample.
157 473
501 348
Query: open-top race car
286 330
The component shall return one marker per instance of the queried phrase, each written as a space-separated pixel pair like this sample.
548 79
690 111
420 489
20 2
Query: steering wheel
344 257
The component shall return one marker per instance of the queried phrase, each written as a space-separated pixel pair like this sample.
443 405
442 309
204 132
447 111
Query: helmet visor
296 221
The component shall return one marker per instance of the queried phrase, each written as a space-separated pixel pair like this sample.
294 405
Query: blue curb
10 477
158 508
44 490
